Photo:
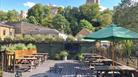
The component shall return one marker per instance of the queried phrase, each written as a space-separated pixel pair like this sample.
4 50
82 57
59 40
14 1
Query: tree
90 12
74 25
32 20
47 21
12 16
3 16
85 24
106 17
60 23
38 12
126 16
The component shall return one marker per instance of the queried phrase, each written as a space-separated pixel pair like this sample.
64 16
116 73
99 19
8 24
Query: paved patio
38 72
70 69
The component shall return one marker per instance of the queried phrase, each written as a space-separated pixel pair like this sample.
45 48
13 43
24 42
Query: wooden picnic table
45 55
115 68
29 60
40 58
124 71
104 60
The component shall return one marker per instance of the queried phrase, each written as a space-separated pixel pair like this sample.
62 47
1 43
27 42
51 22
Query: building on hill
92 1
23 14
83 33
6 31
25 28
54 9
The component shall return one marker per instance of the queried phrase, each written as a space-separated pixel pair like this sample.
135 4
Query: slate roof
84 32
27 28
5 25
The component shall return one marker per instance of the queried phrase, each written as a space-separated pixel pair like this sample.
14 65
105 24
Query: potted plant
31 49
64 54
80 56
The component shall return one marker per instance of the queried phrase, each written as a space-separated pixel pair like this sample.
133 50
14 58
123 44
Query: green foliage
37 13
106 17
3 16
39 37
60 23
47 21
57 56
49 38
2 48
18 38
20 46
12 16
70 38
57 38
127 46
126 15
85 24
9 38
29 38
30 46
90 12
80 56
10 48
32 20
64 53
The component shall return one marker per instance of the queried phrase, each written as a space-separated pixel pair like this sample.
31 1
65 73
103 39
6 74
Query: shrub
70 38
29 38
57 56
31 46
10 48
3 48
8 38
39 37
58 38
64 53
49 38
20 46
18 38
80 56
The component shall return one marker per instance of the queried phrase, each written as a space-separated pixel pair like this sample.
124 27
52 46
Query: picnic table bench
124 71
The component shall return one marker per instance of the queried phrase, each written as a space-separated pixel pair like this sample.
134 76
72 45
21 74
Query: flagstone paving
40 71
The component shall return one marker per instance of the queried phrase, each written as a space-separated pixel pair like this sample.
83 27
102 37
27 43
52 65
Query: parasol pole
113 57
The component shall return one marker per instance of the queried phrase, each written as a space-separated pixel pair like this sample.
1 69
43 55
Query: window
11 33
4 32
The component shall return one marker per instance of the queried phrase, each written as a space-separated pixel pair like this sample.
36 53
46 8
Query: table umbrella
113 32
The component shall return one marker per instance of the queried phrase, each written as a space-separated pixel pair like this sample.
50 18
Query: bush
39 37
8 38
58 38
70 38
31 46
64 53
19 38
10 48
29 38
20 46
57 56
80 56
49 38
3 48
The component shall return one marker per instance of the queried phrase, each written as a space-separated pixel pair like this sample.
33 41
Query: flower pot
65 58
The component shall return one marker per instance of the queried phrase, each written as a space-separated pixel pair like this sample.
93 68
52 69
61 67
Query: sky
26 4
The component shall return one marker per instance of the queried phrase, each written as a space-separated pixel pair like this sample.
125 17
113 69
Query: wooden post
2 62
14 61
113 56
